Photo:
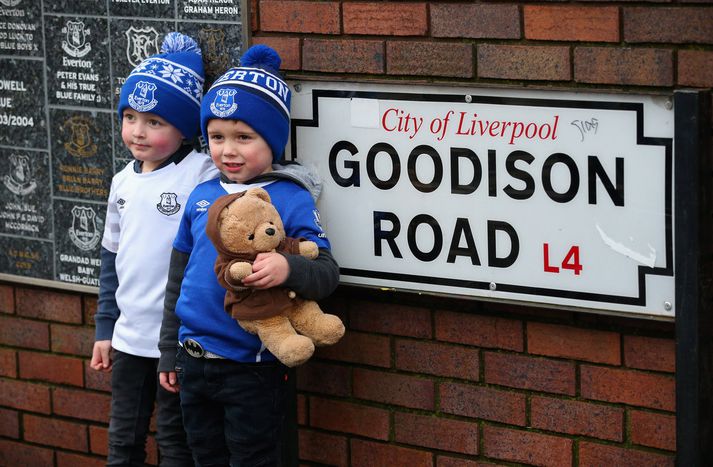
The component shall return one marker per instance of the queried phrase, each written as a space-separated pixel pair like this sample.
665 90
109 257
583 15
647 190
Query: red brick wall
605 44
54 409
416 381
419 381
439 382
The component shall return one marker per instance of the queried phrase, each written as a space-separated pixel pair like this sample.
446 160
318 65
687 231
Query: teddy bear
241 225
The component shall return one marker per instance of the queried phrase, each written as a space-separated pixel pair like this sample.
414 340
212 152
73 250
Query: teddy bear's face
250 225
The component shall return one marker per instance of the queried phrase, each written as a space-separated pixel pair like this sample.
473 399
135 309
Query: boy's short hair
253 93
169 84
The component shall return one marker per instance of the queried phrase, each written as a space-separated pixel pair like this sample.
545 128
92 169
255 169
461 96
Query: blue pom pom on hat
168 84
254 93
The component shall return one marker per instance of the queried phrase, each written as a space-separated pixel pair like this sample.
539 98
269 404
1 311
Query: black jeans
134 389
233 412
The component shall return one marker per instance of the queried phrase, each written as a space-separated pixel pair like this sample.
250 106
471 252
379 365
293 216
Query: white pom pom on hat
175 42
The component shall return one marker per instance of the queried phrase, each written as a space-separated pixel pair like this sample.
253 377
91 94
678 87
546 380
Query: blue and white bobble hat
169 84
254 93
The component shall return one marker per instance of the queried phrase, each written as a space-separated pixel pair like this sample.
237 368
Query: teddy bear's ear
259 193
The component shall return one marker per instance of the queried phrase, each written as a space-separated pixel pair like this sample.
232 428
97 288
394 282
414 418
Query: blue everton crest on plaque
169 204
141 98
84 232
21 180
224 103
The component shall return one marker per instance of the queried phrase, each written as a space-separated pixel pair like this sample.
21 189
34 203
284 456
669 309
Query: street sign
553 198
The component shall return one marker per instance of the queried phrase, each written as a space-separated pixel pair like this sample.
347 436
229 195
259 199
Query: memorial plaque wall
62 64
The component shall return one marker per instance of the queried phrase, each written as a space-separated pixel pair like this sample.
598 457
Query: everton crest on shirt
169 204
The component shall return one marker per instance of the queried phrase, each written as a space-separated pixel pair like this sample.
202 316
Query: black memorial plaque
77 61
79 227
22 106
25 199
21 28
80 166
62 65
27 258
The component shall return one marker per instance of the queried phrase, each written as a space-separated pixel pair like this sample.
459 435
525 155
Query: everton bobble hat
253 93
169 84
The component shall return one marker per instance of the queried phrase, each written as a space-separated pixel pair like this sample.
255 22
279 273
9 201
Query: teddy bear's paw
327 330
294 350
241 270
308 249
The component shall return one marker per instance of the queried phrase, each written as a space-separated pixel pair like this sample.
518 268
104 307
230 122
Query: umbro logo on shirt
202 205
121 202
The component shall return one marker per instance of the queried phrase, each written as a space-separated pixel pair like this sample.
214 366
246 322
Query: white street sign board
551 198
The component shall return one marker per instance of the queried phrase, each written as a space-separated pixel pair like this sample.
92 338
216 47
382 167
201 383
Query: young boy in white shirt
159 109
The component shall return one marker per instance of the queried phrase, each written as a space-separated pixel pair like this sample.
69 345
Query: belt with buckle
195 349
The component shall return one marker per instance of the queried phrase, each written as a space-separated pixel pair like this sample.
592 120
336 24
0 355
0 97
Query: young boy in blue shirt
159 109
232 388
